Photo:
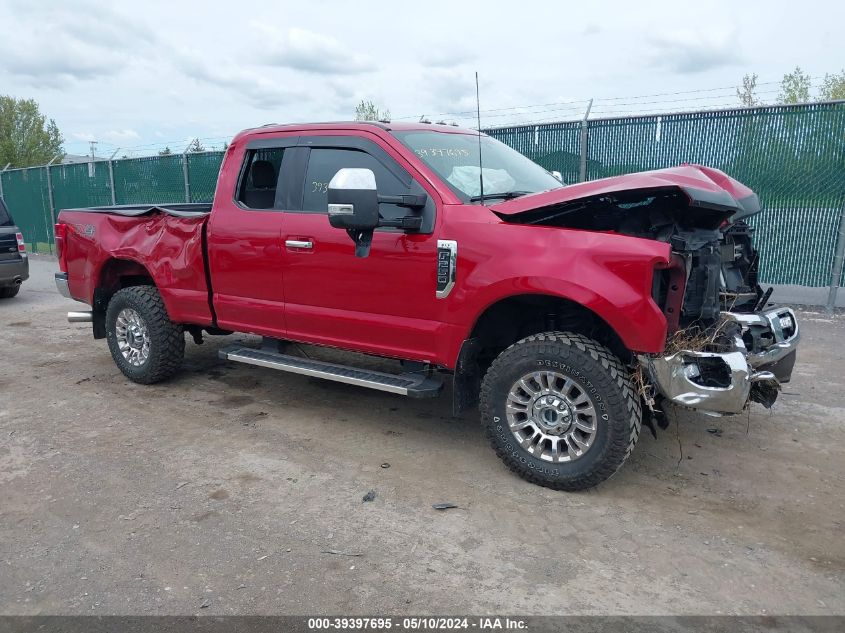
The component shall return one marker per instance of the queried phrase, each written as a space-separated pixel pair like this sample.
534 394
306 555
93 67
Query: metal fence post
582 175
836 269
185 172
51 202
1 178
111 177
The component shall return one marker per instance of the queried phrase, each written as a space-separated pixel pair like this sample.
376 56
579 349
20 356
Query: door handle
299 243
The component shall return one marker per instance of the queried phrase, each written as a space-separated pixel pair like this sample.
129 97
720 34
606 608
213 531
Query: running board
411 385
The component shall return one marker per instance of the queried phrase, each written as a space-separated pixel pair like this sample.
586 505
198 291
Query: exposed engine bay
726 344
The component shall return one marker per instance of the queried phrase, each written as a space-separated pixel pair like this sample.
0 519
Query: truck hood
705 189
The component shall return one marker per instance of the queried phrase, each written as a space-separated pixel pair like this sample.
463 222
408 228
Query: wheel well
115 275
509 320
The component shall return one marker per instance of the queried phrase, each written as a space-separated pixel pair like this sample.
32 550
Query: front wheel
560 410
145 345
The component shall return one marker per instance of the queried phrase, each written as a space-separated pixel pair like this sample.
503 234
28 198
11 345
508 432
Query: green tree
165 152
369 111
747 93
795 87
833 87
196 146
27 138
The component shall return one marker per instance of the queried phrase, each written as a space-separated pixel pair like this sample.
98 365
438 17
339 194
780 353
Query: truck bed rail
179 210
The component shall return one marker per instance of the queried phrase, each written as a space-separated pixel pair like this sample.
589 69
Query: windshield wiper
502 195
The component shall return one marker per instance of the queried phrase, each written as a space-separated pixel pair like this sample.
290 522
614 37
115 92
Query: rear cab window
259 181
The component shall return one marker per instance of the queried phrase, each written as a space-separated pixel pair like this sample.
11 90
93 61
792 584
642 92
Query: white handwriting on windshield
442 151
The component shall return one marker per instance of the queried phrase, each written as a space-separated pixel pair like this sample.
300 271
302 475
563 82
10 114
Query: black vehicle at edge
14 264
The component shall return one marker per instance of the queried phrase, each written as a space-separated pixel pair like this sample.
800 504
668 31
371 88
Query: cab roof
364 126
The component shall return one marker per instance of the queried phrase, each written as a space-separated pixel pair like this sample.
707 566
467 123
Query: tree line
795 87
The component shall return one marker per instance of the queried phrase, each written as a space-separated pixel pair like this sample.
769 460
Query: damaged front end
726 345
744 359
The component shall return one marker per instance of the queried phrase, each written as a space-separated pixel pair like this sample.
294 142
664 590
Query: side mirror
353 200
558 176
353 205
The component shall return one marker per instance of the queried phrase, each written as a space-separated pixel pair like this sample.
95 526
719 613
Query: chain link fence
792 156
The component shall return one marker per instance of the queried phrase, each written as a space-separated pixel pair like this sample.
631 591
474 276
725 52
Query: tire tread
167 337
618 450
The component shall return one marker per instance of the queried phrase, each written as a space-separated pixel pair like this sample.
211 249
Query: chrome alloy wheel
133 338
551 416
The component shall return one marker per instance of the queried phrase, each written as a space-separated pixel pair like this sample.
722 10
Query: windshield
455 159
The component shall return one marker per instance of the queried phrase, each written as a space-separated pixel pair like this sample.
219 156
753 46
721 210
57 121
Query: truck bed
165 243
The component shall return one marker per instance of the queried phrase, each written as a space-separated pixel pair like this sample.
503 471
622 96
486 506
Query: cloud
122 136
84 136
450 90
591 29
448 57
261 90
59 44
695 52
306 51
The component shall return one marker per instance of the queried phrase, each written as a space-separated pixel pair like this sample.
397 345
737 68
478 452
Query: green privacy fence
792 156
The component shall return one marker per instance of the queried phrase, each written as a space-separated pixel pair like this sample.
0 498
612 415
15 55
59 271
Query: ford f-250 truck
569 315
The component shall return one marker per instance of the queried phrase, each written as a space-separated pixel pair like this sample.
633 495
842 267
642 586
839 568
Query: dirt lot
221 491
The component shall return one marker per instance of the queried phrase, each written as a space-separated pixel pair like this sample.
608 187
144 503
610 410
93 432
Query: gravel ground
238 490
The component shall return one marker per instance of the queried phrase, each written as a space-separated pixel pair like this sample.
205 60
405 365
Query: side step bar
411 385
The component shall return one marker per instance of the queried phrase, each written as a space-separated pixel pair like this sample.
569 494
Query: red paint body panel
168 248
245 259
609 274
384 304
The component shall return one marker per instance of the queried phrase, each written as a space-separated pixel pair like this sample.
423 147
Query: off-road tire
7 292
167 340
618 408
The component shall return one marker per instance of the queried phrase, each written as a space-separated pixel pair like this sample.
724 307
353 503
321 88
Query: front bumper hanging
761 356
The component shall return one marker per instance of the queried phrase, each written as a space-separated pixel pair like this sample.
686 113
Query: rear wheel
560 410
7 292
145 345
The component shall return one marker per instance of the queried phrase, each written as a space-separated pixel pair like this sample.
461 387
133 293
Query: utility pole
93 146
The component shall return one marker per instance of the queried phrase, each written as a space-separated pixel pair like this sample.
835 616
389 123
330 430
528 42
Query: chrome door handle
299 243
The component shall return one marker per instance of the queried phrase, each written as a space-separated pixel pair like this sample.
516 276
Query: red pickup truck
569 315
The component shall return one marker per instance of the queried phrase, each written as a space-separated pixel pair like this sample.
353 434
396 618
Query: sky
139 76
